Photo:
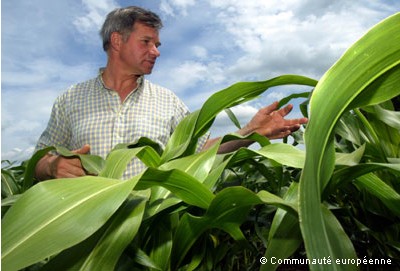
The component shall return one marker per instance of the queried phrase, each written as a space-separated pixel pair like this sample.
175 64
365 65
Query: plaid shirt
90 113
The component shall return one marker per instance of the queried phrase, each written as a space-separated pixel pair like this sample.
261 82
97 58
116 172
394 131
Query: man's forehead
142 27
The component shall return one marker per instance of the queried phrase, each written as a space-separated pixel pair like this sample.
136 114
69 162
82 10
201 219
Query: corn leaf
370 58
337 238
118 160
160 199
287 99
282 153
374 185
350 159
74 257
233 118
69 211
30 169
161 242
180 139
272 199
184 186
284 236
227 211
197 165
121 231
93 164
9 185
389 117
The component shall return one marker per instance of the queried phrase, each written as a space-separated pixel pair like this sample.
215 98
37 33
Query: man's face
139 52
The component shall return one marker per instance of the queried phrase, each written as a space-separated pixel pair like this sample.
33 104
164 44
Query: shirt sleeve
202 141
57 132
181 111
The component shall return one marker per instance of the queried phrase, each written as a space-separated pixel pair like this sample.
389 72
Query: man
120 105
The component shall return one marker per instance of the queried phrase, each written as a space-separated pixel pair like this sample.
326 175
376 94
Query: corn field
334 203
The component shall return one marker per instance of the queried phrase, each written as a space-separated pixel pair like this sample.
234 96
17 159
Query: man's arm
55 166
269 122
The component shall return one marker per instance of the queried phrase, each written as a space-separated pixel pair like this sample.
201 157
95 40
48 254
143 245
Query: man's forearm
233 145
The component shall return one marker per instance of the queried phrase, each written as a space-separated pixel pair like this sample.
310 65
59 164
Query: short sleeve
57 132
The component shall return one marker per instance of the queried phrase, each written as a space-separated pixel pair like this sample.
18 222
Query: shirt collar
139 81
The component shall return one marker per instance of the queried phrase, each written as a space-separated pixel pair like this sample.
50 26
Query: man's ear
116 40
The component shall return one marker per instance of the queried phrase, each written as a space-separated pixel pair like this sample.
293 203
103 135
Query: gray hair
122 20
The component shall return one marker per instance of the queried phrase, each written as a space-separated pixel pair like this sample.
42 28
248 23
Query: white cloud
96 13
181 6
304 37
189 74
199 52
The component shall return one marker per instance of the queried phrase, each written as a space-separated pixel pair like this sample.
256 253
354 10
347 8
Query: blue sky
207 45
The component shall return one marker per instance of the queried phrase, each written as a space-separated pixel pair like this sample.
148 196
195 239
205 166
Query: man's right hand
55 166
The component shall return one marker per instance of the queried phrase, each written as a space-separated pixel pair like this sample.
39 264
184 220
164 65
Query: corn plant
191 211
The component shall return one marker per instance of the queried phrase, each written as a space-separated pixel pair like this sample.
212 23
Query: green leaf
161 199
179 183
123 228
161 242
282 153
350 159
341 245
93 164
69 210
197 165
272 199
74 257
374 185
232 117
348 127
30 169
119 158
142 258
10 200
180 139
387 83
227 211
145 141
284 236
287 99
9 185
391 118
366 62
344 175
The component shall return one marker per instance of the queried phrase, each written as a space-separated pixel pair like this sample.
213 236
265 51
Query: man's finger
285 110
269 109
84 150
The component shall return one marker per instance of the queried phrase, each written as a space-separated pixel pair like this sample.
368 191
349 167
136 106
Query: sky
208 45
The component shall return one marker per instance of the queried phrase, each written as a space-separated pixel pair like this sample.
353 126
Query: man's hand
55 166
268 121
271 122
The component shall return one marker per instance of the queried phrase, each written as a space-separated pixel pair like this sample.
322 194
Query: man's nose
154 50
